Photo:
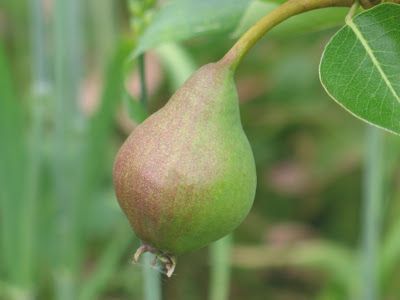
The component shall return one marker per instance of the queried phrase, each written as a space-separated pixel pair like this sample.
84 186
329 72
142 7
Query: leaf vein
373 58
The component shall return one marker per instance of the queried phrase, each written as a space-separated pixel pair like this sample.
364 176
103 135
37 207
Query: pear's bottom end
167 261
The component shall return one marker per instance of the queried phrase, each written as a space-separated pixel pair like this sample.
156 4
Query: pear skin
186 176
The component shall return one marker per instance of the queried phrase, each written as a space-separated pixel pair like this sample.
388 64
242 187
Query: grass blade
68 137
373 197
12 175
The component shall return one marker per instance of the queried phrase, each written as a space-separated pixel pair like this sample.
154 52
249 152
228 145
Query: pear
186 176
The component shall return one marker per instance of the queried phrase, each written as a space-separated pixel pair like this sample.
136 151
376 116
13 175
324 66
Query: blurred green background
68 99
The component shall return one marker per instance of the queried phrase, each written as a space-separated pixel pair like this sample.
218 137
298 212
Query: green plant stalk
40 88
220 258
142 77
151 277
16 12
13 158
372 205
68 141
286 10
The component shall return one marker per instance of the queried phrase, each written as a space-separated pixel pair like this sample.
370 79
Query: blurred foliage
62 235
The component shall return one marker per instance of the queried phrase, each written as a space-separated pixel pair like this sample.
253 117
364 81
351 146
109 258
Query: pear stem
352 11
290 8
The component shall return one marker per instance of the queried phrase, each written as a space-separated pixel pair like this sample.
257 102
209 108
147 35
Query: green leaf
183 19
360 67
306 22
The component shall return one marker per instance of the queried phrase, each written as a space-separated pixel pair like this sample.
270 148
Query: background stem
373 197
220 258
142 75
152 280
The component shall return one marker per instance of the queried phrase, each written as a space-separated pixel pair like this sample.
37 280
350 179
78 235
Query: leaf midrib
374 59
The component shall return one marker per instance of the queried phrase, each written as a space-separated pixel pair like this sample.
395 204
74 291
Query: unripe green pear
186 176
